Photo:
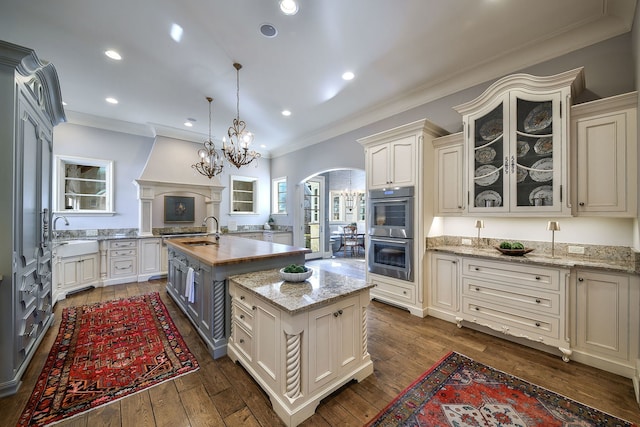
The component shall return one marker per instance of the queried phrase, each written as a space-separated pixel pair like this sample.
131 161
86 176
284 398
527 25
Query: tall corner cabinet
403 157
516 136
30 106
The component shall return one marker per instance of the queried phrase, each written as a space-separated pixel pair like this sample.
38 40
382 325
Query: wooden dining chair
350 240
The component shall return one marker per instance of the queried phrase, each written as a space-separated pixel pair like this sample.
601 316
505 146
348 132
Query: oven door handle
395 241
382 201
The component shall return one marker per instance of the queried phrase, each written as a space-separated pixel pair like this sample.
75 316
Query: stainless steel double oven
390 249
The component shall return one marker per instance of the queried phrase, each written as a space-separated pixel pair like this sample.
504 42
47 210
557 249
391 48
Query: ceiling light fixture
289 7
211 163
176 32
348 75
286 113
113 55
111 100
240 139
349 196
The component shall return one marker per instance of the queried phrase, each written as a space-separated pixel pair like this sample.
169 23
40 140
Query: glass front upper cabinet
83 185
517 147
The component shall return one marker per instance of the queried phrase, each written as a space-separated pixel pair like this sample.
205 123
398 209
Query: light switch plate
91 233
576 250
466 242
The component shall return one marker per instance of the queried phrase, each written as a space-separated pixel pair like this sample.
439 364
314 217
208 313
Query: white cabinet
525 301
253 236
122 261
150 259
334 345
605 320
76 273
444 287
516 139
604 136
285 238
448 176
392 163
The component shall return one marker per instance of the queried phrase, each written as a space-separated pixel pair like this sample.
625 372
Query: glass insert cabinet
516 144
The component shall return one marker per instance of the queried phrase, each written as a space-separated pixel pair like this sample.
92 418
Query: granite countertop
231 249
538 259
323 287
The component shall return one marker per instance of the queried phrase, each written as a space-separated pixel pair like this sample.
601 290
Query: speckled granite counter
321 288
618 266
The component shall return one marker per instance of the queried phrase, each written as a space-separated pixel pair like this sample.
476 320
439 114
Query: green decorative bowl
296 277
514 252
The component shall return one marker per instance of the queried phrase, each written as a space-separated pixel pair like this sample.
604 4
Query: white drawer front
123 252
243 341
243 315
242 297
539 277
119 244
123 267
510 320
532 299
393 292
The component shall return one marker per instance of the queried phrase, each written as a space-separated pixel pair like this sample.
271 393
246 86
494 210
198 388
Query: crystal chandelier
349 196
237 151
211 162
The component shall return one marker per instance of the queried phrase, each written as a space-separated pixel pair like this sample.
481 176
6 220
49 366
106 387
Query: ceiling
403 53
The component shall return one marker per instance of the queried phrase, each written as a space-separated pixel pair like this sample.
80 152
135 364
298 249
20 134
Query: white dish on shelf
485 154
542 170
543 146
544 193
488 195
521 174
486 175
491 129
522 148
538 119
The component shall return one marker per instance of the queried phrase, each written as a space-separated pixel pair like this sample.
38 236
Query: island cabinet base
298 358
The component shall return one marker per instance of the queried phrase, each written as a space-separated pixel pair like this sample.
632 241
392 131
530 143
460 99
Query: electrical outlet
91 233
466 242
576 250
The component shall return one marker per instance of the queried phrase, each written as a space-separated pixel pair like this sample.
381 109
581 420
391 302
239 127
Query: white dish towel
189 290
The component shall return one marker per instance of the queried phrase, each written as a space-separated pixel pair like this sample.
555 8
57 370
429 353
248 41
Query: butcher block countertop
231 249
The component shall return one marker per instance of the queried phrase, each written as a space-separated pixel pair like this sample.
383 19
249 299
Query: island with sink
197 280
300 341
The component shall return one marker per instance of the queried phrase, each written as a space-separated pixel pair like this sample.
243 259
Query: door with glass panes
313 221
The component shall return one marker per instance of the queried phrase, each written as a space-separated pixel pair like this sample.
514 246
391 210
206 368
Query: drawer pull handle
538 324
242 316
580 279
241 341
453 262
477 289
477 308
253 307
477 268
581 203
537 277
537 300
242 298
335 314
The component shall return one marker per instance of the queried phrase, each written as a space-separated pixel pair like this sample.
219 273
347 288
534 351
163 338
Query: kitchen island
299 341
197 278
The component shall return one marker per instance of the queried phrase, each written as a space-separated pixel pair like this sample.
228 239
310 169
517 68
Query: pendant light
211 162
237 151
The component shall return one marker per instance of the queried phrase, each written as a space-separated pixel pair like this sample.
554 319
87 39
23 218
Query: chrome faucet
217 232
55 220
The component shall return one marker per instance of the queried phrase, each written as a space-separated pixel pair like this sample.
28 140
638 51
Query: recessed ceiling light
348 75
268 30
289 7
190 121
176 32
286 113
263 146
111 100
113 55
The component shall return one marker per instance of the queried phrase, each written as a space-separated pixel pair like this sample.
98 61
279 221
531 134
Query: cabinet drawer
527 298
538 277
243 315
243 297
120 244
402 294
510 320
243 341
123 252
123 267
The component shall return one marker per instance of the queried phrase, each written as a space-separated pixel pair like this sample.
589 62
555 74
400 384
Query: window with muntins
83 185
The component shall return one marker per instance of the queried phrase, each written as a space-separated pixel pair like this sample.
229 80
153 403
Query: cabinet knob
477 289
581 203
242 316
459 207
580 279
538 324
335 314
404 292
453 262
537 300
253 307
477 268
241 297
537 277
477 308
241 341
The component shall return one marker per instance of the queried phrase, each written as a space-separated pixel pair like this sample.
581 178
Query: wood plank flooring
402 347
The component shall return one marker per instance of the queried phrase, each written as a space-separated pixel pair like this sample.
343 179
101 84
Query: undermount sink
199 243
70 248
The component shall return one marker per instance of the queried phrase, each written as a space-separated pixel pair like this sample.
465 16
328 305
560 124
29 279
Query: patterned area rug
459 392
106 351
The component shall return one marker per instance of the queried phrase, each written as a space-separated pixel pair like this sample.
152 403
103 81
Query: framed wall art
179 209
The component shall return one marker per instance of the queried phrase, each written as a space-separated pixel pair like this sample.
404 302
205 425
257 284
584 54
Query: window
83 185
279 196
337 206
243 194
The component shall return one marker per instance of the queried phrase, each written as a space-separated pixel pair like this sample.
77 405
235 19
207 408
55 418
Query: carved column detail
218 309
365 350
293 365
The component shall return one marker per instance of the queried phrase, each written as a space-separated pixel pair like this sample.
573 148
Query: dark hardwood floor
402 347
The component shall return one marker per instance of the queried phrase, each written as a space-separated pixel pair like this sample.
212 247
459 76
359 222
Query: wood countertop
231 249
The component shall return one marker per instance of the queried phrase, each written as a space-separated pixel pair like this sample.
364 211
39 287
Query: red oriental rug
106 351
460 392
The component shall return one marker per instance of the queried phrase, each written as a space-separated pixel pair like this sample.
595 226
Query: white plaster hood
168 170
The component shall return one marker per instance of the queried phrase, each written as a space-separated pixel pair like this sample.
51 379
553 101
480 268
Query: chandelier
349 196
237 151
211 162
